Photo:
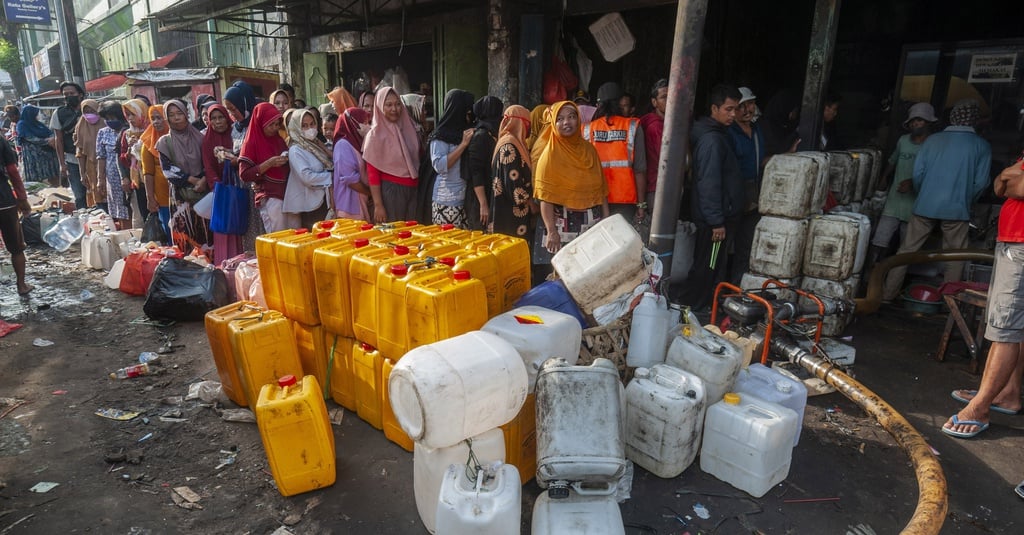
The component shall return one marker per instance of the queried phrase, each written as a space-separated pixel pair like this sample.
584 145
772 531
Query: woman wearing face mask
264 163
107 168
447 144
392 154
158 194
85 150
136 112
309 181
38 157
216 154
567 180
181 160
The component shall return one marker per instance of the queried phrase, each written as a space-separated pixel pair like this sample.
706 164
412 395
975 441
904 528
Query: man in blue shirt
950 172
748 144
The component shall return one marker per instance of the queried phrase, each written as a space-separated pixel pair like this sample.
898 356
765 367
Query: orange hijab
341 99
152 135
567 170
538 120
515 127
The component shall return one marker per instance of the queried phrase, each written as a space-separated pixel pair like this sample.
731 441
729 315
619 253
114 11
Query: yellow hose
870 303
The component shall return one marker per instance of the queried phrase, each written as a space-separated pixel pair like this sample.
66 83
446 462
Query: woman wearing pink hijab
392 154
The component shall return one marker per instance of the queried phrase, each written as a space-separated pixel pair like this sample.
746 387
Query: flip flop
1019 489
957 421
995 408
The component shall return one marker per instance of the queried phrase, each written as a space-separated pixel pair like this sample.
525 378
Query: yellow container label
218 332
368 368
392 431
343 372
297 436
444 308
264 348
295 268
331 278
266 256
521 440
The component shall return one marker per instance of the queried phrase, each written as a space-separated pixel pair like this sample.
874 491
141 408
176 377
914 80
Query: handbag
230 204
153 229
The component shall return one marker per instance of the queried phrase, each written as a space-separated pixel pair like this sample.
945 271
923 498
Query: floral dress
106 150
513 188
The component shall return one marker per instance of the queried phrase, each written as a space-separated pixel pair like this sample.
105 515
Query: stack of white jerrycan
103 245
580 448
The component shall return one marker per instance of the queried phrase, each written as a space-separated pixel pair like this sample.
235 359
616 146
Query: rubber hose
870 303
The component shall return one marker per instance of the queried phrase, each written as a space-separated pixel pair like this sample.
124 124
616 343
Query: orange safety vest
614 143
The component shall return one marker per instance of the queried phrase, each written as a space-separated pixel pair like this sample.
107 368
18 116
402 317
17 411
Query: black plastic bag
184 291
153 230
30 228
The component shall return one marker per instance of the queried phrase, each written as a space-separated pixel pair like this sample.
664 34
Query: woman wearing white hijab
311 170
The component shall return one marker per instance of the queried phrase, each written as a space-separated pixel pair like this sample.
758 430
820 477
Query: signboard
991 68
41 62
28 11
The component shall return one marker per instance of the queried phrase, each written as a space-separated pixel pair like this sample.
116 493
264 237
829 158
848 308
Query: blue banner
27 11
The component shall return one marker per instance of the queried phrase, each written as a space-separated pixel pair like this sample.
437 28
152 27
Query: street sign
27 11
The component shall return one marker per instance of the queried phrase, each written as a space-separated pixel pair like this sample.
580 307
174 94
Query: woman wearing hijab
351 188
281 100
38 157
158 191
136 112
392 154
476 163
414 105
567 179
513 208
367 101
264 163
181 160
448 142
240 101
216 154
352 126
117 200
340 100
538 120
85 150
307 193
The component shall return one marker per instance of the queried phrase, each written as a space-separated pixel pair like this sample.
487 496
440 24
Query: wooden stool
974 302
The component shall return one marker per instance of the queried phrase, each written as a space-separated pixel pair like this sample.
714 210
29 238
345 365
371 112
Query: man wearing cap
63 125
653 124
950 172
620 146
748 144
899 204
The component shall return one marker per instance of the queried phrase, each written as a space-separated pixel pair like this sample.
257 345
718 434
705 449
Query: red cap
399 269
401 249
287 380
323 235
360 242
301 231
366 347
366 227
404 234
327 224
411 223
447 260
447 226
461 275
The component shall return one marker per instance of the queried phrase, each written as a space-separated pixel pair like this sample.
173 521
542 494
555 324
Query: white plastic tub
794 185
770 385
445 392
708 356
429 466
748 443
778 246
576 515
664 418
602 263
489 505
837 244
579 424
538 334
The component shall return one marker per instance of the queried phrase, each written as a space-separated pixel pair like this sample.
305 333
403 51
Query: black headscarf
457 105
488 112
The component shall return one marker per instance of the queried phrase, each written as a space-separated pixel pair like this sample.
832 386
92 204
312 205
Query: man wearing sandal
13 204
1001 381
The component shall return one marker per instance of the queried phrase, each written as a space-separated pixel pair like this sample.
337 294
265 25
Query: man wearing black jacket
718 197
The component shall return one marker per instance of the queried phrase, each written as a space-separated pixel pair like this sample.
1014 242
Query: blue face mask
114 125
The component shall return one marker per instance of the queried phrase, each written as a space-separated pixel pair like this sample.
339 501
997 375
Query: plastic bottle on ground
131 371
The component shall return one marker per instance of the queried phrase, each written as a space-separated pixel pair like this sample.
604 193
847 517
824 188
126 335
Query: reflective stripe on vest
615 144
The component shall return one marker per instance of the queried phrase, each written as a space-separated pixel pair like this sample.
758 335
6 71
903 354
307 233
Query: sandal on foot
958 434
996 408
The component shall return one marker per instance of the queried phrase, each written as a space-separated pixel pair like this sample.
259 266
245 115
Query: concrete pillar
502 76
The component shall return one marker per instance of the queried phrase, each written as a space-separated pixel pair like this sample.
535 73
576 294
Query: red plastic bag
558 80
139 267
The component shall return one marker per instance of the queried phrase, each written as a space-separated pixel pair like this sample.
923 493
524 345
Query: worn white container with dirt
708 356
842 176
576 514
538 334
778 246
601 263
834 324
491 504
748 442
429 466
755 281
447 391
794 185
664 418
837 244
648 332
771 385
99 251
865 166
579 424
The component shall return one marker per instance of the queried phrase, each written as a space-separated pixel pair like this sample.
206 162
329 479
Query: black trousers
699 288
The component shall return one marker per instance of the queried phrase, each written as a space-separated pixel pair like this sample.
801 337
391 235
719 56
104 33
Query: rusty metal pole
819 67
682 83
